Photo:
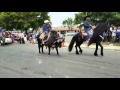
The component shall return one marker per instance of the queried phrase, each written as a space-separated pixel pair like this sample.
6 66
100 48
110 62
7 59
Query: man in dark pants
118 35
109 36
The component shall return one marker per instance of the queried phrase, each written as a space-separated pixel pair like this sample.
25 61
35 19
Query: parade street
24 61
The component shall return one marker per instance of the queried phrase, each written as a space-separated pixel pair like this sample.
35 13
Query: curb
110 47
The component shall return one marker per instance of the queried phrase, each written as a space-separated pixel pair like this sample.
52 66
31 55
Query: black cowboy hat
86 17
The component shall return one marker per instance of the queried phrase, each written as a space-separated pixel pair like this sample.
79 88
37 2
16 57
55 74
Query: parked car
8 40
70 34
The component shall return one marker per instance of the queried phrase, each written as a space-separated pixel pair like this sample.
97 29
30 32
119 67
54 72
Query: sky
58 17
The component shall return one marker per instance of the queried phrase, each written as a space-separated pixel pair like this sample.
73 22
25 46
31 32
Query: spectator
114 35
30 37
22 38
109 36
19 35
105 37
34 37
25 37
118 34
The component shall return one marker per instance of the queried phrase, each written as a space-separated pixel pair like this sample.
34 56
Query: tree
98 17
69 23
22 20
79 17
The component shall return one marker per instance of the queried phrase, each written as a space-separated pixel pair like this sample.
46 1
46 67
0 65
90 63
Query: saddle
43 37
83 34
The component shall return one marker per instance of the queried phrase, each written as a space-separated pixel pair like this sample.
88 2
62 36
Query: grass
106 43
114 44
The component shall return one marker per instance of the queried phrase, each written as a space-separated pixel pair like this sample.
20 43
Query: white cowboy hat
46 21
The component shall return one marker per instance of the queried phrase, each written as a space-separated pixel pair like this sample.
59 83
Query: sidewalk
110 47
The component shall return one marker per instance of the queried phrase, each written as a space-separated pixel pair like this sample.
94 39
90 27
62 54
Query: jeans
88 33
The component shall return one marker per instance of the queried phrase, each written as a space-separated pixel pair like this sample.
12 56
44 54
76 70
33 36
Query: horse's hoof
39 52
95 54
81 52
77 53
102 54
58 54
43 52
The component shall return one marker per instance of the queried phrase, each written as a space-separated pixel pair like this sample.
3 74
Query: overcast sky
58 17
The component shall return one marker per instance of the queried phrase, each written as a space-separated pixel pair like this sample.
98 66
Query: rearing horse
97 32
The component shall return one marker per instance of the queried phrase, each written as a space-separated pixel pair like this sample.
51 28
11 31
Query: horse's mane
53 34
100 29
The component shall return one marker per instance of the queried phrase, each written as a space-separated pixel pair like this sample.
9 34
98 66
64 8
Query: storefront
65 30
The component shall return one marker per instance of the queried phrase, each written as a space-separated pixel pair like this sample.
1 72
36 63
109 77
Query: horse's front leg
57 50
81 51
39 48
96 50
42 48
49 50
76 50
101 48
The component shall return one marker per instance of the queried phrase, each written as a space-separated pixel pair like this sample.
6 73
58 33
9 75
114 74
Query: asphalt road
24 61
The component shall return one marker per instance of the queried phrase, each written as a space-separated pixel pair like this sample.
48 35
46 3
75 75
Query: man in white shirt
114 35
22 38
19 35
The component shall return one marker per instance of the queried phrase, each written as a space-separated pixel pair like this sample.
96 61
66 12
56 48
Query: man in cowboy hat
87 27
46 29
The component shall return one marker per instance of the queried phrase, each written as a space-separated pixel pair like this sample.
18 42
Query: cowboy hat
46 21
86 17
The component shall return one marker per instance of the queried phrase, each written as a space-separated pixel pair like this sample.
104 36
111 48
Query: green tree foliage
79 17
69 23
98 17
22 20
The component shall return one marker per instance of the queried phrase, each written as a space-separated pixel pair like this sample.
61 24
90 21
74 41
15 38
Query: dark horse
100 28
53 42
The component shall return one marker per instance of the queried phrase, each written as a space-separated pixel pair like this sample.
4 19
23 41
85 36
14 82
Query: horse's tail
71 44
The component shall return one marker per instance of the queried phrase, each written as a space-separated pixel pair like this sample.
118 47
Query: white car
8 40
70 34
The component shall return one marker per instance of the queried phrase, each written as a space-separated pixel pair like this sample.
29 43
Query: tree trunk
26 31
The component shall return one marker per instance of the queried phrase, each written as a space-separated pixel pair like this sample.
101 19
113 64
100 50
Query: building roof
64 28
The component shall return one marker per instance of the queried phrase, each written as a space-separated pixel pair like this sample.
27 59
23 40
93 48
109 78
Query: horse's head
53 34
